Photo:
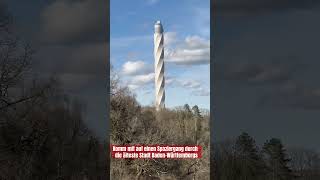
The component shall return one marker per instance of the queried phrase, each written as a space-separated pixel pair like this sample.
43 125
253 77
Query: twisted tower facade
159 66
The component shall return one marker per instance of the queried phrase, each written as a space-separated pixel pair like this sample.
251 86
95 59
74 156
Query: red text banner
155 151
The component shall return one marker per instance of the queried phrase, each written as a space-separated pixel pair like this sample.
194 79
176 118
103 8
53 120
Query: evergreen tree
196 111
250 164
187 112
197 121
277 163
186 107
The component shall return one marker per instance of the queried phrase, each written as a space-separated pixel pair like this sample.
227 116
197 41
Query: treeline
242 159
42 134
133 124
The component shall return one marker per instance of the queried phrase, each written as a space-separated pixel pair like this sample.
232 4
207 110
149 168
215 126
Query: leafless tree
42 130
305 163
134 124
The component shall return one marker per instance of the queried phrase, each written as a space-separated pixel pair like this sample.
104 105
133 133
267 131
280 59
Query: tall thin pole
159 66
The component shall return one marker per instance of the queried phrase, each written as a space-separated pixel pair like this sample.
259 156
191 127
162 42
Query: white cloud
135 68
133 86
196 42
194 86
190 84
169 81
194 50
170 38
143 82
140 81
201 92
143 79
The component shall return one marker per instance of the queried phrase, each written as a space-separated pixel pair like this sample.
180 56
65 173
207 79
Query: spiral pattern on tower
159 66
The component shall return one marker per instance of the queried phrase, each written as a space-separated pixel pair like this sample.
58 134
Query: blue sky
187 41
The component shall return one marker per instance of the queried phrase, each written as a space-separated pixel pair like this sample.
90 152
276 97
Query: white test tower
159 66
